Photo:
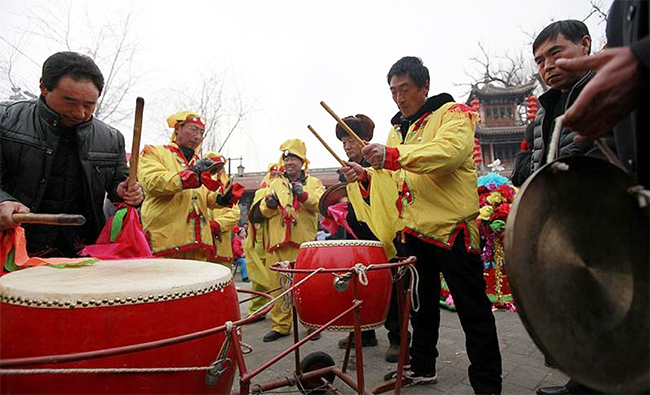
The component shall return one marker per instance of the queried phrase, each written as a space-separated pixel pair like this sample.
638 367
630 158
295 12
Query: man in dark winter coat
565 39
616 97
55 157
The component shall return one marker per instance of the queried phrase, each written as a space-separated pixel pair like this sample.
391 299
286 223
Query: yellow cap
181 116
295 147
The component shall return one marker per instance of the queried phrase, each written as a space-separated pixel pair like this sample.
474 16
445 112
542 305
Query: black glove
201 165
296 188
271 201
225 200
298 192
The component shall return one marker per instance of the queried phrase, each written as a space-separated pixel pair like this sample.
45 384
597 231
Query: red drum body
48 311
317 301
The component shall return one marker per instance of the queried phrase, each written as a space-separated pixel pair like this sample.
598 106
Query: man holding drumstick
57 158
290 210
180 190
429 151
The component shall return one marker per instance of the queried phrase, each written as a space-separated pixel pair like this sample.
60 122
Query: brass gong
577 256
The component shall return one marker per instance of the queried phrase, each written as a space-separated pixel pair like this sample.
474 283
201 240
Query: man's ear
44 91
585 43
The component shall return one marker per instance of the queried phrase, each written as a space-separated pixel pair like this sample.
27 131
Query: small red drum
49 311
317 301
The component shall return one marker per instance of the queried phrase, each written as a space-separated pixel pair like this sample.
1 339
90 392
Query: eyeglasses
194 129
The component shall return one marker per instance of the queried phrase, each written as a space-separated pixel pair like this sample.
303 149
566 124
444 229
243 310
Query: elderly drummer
289 209
180 190
364 127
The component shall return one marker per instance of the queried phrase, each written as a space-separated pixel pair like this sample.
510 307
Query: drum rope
361 269
643 195
414 281
285 282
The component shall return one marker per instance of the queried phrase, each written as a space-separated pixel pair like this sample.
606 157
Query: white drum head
109 283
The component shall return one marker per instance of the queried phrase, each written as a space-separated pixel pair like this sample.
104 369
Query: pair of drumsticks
344 126
68 219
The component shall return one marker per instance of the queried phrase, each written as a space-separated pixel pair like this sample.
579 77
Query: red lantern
475 103
477 153
531 104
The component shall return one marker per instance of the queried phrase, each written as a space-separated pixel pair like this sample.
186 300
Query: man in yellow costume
223 220
429 152
289 209
258 271
179 191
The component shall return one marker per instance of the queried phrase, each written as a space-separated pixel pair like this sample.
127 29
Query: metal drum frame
232 332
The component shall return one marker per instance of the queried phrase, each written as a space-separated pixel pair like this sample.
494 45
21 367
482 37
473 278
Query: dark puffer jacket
542 129
27 150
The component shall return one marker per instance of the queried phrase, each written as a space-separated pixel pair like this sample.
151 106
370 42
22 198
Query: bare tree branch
110 44
223 107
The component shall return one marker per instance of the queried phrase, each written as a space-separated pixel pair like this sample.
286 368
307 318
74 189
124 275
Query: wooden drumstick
135 146
49 219
343 124
326 146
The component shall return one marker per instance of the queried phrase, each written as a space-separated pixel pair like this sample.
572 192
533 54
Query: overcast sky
287 56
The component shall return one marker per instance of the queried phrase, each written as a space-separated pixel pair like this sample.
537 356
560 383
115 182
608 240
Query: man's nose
79 112
549 63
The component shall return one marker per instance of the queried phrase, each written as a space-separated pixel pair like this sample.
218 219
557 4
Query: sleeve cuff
214 227
391 159
189 179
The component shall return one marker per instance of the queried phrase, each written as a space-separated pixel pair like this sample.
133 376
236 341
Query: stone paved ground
523 364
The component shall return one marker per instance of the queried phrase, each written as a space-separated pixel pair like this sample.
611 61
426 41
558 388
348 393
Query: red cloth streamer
209 182
130 243
14 239
237 192
339 213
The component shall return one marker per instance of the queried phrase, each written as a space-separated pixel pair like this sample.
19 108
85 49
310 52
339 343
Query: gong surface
577 254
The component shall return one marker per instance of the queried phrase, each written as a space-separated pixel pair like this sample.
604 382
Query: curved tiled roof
491 90
503 130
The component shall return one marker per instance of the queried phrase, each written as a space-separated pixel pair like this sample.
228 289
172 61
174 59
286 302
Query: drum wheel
314 361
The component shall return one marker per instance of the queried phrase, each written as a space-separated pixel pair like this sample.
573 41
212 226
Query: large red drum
317 301
49 311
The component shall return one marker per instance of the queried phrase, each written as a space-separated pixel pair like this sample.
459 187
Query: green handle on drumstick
326 146
343 124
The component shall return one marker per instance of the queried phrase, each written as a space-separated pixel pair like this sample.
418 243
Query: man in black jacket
565 39
617 97
55 157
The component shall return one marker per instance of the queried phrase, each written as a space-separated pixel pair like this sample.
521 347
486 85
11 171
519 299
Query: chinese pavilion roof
489 90
500 131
